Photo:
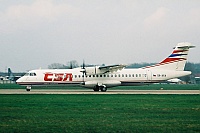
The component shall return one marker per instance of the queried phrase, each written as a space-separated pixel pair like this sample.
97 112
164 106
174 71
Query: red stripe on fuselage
166 61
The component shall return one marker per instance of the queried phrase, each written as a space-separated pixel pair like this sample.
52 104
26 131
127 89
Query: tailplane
177 60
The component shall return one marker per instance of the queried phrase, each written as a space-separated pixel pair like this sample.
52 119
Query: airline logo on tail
177 55
176 60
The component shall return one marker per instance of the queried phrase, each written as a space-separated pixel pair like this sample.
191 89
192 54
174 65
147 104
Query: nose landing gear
28 88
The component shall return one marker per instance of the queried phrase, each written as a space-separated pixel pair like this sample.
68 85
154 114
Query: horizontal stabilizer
184 45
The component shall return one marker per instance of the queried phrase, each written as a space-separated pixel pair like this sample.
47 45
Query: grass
100 113
11 86
145 87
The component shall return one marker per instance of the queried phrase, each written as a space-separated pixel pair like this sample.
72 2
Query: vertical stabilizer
176 60
10 75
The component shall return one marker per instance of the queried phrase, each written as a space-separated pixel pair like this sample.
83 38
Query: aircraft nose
19 81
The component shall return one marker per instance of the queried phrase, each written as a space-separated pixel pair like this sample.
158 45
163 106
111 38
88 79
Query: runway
50 91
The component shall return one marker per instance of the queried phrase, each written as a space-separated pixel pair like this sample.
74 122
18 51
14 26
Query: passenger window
129 75
132 75
122 75
119 75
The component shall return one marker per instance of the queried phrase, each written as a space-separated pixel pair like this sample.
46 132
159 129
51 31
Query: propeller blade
83 64
83 70
71 67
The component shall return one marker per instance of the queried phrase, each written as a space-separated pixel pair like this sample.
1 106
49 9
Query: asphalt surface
50 91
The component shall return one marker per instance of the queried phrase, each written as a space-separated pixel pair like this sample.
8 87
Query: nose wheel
28 88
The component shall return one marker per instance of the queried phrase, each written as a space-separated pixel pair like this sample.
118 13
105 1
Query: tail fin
177 60
10 74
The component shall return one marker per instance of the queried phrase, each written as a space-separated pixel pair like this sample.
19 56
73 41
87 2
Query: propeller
83 64
83 71
70 65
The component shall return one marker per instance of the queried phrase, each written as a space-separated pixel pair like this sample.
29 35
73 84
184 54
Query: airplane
99 78
10 76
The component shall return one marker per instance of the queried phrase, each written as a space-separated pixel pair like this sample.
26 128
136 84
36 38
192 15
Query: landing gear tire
103 89
28 88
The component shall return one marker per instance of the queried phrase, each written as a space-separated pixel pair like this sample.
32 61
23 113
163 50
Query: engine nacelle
94 70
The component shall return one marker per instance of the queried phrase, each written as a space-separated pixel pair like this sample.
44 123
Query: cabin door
149 75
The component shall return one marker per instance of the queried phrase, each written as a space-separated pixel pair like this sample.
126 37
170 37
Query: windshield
30 74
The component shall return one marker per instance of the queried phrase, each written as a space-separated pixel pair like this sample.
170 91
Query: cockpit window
27 74
30 74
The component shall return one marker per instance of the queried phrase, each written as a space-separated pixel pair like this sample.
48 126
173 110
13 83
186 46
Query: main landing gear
102 88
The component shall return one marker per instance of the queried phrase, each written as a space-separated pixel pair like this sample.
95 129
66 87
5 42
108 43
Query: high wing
102 69
112 68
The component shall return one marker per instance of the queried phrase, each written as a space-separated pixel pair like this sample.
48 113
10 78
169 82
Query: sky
37 33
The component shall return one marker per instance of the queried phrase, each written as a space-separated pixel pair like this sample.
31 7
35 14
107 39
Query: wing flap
112 68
